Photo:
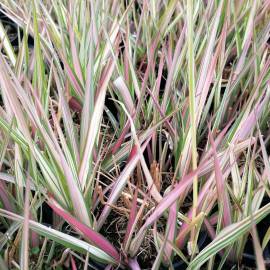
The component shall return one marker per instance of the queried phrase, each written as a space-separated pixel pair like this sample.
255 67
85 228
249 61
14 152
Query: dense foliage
134 134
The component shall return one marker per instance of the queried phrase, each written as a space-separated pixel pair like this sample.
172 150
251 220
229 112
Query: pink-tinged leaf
89 94
73 264
72 78
205 63
132 216
76 195
133 264
126 55
9 95
169 54
75 58
120 184
209 63
91 235
120 140
222 194
171 226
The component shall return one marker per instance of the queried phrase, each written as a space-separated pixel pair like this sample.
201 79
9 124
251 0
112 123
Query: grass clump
134 134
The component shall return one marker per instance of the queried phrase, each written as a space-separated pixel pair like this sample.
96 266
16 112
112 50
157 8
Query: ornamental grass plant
134 134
